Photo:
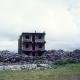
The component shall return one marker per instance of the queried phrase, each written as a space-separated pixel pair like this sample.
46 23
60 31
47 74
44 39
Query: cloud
8 45
58 18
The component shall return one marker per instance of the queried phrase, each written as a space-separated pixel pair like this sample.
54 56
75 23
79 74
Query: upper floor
33 37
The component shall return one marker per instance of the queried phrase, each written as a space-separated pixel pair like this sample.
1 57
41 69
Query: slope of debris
49 56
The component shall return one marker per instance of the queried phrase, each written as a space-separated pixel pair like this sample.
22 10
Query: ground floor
33 53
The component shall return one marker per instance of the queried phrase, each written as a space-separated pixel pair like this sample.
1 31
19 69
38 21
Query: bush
70 61
59 62
5 64
79 60
41 61
62 62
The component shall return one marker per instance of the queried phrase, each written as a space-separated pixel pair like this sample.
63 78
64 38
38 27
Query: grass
52 74
72 73
70 65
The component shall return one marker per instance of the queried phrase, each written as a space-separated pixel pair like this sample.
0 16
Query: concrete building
32 44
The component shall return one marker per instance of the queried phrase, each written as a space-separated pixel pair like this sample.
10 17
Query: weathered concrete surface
31 44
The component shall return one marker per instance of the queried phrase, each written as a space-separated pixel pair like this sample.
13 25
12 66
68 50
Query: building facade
31 44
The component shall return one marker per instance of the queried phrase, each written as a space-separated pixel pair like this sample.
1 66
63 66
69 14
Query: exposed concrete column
36 54
35 38
31 37
22 38
44 46
30 54
35 46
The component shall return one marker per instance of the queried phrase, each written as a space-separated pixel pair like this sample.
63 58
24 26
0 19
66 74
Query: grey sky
60 19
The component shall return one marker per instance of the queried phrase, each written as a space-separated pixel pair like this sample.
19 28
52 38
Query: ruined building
31 44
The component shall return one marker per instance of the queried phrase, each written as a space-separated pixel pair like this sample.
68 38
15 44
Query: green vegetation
41 61
72 73
52 74
72 65
68 63
4 64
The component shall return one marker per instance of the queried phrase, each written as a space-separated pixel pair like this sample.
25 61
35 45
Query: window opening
39 37
27 45
27 36
33 46
39 53
33 38
27 53
40 45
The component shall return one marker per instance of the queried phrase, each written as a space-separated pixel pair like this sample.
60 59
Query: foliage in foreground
4 64
52 74
68 63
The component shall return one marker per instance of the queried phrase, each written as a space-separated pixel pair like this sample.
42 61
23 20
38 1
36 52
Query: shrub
62 62
70 61
59 62
79 60
5 64
41 61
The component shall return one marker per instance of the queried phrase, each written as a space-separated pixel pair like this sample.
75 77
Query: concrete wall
39 40
30 53
30 47
24 46
37 47
36 38
27 40
23 41
20 45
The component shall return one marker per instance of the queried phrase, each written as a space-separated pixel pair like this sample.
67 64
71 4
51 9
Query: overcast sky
60 19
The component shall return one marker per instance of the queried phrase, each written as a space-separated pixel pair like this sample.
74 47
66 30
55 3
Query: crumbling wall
39 38
40 46
25 47
32 43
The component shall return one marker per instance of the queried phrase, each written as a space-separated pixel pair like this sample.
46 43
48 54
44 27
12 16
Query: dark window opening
27 45
33 46
33 38
27 53
40 45
39 37
27 36
40 54
33 53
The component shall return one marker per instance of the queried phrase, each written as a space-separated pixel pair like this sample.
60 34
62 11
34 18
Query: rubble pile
53 55
9 57
18 67
25 67
49 57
